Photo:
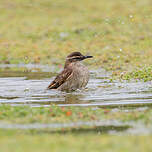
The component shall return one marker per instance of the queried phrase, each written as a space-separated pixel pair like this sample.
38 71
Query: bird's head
77 56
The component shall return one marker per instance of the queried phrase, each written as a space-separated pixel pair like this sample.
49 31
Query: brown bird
74 76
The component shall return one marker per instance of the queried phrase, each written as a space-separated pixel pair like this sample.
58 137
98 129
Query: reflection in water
71 98
30 88
99 127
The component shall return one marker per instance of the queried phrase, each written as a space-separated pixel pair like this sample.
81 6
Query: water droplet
106 47
130 16
63 35
26 89
106 19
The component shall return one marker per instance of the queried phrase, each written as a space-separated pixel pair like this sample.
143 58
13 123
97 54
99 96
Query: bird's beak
82 57
88 56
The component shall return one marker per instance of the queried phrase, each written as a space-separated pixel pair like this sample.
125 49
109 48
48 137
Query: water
26 85
29 88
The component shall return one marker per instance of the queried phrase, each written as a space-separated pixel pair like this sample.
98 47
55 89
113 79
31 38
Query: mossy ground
71 139
69 142
55 114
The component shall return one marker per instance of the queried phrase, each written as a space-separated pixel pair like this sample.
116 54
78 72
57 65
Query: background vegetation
117 33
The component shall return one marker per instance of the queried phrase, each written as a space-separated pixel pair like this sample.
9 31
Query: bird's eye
77 58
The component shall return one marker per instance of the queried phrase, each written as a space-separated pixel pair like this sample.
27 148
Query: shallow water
99 127
29 87
26 85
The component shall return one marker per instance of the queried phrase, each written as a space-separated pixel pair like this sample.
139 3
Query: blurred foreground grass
54 114
73 138
117 33
74 143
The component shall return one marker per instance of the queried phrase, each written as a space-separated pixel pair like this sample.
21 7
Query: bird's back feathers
61 78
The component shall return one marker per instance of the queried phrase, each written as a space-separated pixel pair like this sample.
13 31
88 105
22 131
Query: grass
116 33
47 115
71 139
55 114
144 73
73 143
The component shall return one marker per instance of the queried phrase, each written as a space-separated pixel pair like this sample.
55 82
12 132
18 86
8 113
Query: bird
75 74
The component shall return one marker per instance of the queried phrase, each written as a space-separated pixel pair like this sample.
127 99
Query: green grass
73 143
75 138
144 73
55 114
116 33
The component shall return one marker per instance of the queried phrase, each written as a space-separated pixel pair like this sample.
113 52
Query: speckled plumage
74 76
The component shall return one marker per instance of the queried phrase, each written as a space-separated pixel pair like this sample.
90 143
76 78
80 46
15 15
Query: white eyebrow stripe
73 57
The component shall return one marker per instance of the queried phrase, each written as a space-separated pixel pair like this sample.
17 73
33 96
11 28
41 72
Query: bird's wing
60 79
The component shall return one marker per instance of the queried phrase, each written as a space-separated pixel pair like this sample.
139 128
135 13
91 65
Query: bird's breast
78 79
81 74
